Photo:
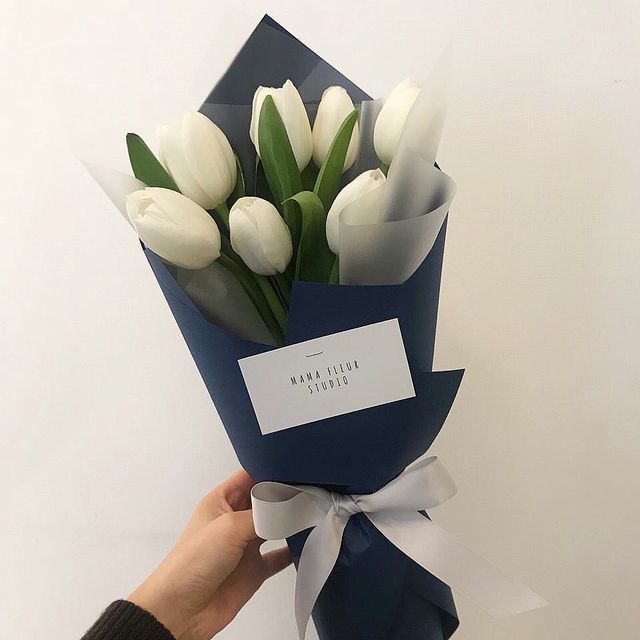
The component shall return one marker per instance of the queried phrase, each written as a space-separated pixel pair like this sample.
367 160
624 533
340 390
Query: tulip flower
199 158
294 117
392 117
174 227
348 196
334 107
260 236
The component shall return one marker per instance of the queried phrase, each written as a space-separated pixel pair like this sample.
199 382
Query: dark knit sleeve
123 620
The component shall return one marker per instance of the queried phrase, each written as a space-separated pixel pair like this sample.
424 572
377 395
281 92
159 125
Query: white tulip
174 227
334 107
392 117
294 116
364 183
199 158
260 236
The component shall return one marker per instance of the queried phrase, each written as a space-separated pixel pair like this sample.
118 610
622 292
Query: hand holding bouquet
302 264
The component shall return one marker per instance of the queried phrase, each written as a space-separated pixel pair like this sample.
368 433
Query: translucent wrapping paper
393 267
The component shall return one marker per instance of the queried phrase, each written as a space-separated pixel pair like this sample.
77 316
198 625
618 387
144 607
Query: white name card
328 376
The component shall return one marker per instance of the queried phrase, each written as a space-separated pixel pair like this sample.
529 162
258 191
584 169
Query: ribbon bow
281 510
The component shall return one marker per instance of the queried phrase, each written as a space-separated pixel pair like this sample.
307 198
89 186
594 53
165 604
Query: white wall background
108 437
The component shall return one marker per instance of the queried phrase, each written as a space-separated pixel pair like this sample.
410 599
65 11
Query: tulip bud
364 183
199 158
260 236
391 119
174 227
294 117
334 107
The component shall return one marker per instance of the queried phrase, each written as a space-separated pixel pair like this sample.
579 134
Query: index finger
236 490
232 495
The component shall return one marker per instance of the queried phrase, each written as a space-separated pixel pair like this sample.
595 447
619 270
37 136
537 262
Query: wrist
162 606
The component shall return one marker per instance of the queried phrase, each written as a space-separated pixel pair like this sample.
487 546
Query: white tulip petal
136 203
334 107
171 154
296 122
258 99
260 236
246 243
209 157
174 227
392 118
292 111
275 237
350 193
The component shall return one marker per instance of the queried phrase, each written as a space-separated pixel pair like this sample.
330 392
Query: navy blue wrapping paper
374 592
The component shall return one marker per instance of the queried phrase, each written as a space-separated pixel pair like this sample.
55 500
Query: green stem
261 289
334 278
274 302
223 211
256 296
276 288
384 168
283 286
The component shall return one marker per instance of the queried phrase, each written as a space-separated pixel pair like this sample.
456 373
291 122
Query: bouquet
302 265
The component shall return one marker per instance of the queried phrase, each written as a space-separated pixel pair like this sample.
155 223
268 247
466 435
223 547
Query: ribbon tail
317 560
441 554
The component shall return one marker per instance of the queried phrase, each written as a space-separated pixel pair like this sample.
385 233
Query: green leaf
309 176
292 218
278 160
261 185
239 188
315 260
328 181
280 166
146 166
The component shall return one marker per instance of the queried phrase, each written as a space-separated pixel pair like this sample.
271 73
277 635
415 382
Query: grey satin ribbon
281 510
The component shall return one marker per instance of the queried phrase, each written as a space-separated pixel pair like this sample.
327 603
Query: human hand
214 568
